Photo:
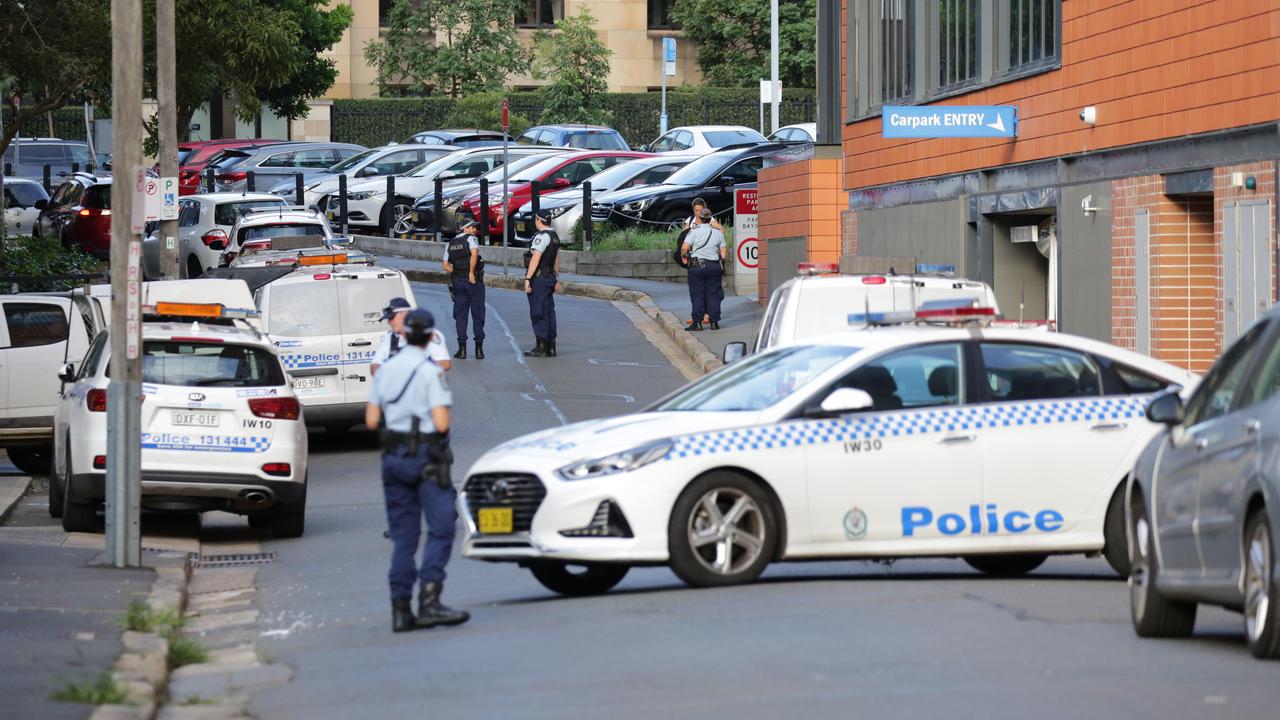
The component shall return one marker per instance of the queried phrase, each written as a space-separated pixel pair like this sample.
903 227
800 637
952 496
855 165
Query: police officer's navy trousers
542 307
409 500
468 297
705 291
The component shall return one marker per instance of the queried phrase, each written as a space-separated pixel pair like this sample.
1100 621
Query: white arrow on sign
998 125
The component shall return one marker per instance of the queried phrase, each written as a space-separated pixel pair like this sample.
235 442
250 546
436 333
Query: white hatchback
221 427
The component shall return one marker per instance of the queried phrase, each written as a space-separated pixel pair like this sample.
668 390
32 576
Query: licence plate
311 383
495 521
189 419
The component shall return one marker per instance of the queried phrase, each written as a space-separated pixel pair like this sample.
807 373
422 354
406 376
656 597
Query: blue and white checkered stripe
295 362
908 423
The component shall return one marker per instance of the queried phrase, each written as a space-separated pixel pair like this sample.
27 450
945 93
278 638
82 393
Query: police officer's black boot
462 352
402 619
551 348
479 349
539 350
432 612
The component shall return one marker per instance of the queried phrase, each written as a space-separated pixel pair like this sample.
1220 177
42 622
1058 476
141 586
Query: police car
997 445
221 427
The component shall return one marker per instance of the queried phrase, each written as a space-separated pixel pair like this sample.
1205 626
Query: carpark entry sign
924 121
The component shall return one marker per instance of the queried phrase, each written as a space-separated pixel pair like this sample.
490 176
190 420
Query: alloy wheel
1140 566
401 223
1257 582
726 531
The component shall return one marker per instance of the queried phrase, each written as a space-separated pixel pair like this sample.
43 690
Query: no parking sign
745 239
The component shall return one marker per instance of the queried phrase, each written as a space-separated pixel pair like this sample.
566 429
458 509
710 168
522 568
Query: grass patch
185 651
99 691
140 617
628 239
197 700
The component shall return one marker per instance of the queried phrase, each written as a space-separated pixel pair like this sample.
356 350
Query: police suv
221 427
997 445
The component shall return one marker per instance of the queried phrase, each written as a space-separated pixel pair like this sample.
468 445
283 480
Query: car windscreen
97 197
229 213
351 162
758 382
204 364
538 169
701 170
516 166
723 138
228 158
594 140
304 309
281 230
23 194
614 177
185 155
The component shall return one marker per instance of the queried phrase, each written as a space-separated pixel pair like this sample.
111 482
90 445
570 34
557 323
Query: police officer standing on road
391 343
705 248
542 266
411 395
466 285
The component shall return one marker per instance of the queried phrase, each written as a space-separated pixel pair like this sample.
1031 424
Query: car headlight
446 202
621 462
365 195
554 213
637 206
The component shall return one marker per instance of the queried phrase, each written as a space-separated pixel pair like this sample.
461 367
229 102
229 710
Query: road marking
515 348
606 397
657 338
624 363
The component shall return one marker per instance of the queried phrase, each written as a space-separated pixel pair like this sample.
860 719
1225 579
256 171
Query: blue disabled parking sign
924 121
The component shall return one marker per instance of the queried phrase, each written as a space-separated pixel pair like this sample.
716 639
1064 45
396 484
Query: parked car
798 133
368 208
272 163
259 229
710 177
423 215
565 206
457 138
79 213
702 139
581 137
193 156
1204 499
377 162
23 199
205 222
26 158
559 172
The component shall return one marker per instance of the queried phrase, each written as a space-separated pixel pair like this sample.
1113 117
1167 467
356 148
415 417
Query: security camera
1089 115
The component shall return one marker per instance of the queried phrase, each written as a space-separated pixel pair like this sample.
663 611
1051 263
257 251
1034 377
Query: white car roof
220 197
712 128
274 217
169 329
230 293
304 273
856 280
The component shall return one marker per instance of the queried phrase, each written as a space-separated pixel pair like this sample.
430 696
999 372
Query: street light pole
166 88
773 61
124 437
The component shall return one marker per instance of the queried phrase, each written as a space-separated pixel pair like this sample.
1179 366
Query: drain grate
234 559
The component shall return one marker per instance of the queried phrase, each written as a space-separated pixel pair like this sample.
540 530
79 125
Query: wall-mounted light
1089 115
1251 183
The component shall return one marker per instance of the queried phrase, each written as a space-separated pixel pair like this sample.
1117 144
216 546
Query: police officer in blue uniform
705 247
409 393
466 286
542 268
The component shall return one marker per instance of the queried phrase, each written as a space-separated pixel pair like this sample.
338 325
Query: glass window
724 138
664 144
1033 32
64 192
1137 382
322 158
1266 379
286 230
539 13
1216 393
209 364
98 197
42 153
18 194
957 41
279 160
89 367
745 171
34 324
79 154
527 137
594 140
361 302
351 161
760 381
660 15
188 214
897 49
919 377
304 309
1037 372
228 213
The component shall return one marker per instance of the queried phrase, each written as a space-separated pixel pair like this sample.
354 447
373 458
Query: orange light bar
189 309
337 259
810 268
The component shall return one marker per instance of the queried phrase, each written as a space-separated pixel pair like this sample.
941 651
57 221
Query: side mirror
733 352
846 400
67 373
726 181
369 171
447 175
1166 409
41 204
561 183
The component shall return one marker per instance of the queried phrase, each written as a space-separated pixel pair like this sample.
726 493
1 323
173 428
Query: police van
322 312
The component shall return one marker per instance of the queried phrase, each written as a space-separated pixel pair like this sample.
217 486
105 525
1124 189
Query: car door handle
354 377
359 343
951 439
1108 426
1252 427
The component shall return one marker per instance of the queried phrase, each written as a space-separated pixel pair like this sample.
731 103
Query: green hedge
30 256
68 122
378 121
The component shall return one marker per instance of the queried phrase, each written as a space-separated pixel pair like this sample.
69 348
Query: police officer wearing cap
466 285
542 267
705 247
410 395
391 343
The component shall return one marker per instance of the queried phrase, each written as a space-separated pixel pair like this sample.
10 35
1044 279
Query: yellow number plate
495 521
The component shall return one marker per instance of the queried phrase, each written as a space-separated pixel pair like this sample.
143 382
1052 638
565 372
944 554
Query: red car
194 156
79 213
557 172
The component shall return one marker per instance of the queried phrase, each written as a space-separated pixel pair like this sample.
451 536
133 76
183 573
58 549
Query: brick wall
801 199
848 232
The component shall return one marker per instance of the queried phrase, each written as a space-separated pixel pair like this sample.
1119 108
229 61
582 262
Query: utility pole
124 436
166 88
774 91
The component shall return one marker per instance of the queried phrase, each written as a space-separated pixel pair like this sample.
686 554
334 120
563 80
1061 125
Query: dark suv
667 205
26 158
578 137
79 213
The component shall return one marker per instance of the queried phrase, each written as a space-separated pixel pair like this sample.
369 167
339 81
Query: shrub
102 690
40 257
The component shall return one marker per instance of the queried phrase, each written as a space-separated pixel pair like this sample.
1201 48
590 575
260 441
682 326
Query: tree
578 65
52 52
733 40
484 111
454 47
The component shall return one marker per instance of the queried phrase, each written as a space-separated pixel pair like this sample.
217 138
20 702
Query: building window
660 15
539 13
384 11
897 49
957 42
1033 33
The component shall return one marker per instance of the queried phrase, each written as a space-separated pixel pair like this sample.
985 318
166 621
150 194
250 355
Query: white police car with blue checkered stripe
221 427
997 445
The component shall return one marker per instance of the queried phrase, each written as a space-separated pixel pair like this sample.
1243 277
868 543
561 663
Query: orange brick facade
801 199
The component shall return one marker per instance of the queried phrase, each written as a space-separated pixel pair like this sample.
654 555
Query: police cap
420 318
706 215
396 305
544 217
467 223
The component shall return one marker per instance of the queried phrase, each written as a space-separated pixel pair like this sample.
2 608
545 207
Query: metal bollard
391 206
342 203
536 187
75 168
48 179
437 228
250 185
297 189
8 169
484 211
209 184
587 225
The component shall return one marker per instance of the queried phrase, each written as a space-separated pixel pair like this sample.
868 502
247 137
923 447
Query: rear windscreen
594 141
98 197
286 230
305 309
209 365
229 213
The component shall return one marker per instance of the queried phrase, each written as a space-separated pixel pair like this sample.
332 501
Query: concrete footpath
740 316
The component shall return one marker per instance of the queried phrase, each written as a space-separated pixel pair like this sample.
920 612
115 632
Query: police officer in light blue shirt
409 399
705 248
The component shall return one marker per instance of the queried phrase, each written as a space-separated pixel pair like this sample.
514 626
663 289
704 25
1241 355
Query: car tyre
717 515
584 581
1006 566
1115 544
261 520
77 516
1153 614
1261 588
57 487
289 521
31 460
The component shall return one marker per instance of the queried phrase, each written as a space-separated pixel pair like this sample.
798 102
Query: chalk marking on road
649 328
515 348
624 363
606 397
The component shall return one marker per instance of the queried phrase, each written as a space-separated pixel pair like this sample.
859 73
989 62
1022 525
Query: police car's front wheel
578 580
1006 565
723 531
